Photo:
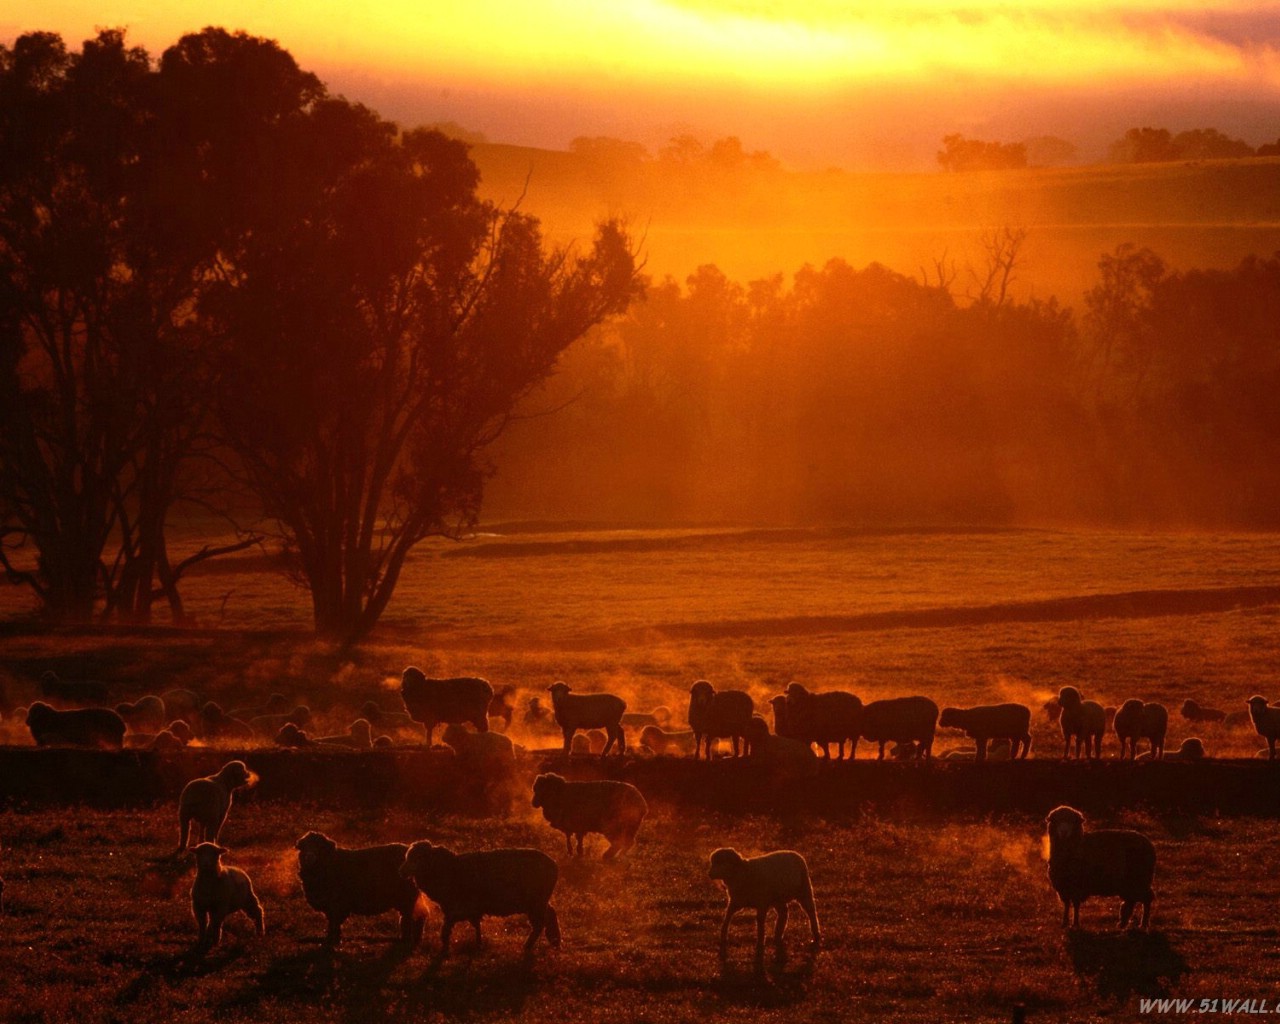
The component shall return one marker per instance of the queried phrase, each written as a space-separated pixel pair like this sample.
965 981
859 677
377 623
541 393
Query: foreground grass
921 922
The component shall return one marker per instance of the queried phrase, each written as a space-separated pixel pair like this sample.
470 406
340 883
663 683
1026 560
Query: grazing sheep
359 736
207 801
486 883
1266 721
146 714
723 715
181 728
83 727
276 704
72 691
269 725
216 724
574 711
340 882
580 744
660 742
822 718
456 700
181 703
1135 721
992 721
611 809
898 720
1192 749
1194 712
291 736
218 892
488 752
166 741
1106 862
1083 721
763 883
782 756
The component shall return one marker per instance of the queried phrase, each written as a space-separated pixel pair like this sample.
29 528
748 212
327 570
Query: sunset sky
817 83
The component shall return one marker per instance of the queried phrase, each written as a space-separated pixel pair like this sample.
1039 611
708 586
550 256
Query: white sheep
218 892
771 881
1106 862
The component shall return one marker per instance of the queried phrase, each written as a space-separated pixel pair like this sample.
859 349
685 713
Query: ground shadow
773 984
472 982
1121 965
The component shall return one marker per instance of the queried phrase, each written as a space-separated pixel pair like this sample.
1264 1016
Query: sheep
486 883
269 725
659 741
614 810
207 801
146 714
291 736
536 714
1192 749
218 892
359 736
781 723
276 704
340 882
501 707
83 727
216 724
1266 721
488 752
723 715
597 740
783 756
580 744
1081 720
763 883
1105 862
181 728
906 751
992 721
1194 712
822 718
574 711
72 691
166 741
180 703
460 699
898 720
1136 720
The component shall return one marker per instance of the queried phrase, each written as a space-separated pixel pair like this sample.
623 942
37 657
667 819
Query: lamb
457 700
1266 721
1192 749
822 718
218 892
166 741
992 721
1081 720
83 727
781 755
269 725
359 736
723 715
492 883
207 801
72 691
898 720
487 752
574 711
291 736
1136 720
659 741
614 810
146 714
1106 862
340 882
1194 712
763 883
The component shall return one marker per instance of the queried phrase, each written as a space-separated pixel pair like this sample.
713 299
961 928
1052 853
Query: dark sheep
487 883
146 714
785 759
391 721
456 700
206 802
72 691
1105 862
1194 712
181 704
898 720
574 711
502 707
719 715
291 736
765 883
84 727
823 718
1084 721
216 724
218 892
986 722
1138 721
1266 721
614 810
342 882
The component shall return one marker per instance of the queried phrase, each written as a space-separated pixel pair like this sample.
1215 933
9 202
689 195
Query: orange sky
817 82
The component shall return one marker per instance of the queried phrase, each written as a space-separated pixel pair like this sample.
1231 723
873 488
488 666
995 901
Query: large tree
378 331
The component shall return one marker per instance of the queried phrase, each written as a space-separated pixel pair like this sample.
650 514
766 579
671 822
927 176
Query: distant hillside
755 222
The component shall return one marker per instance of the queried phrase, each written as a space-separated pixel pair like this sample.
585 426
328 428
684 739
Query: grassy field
923 920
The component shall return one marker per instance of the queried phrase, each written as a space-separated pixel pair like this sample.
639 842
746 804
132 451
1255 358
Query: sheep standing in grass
574 711
986 722
206 802
898 720
431 701
1194 712
765 883
723 715
1266 720
822 718
614 810
218 892
783 757
83 727
1083 721
489 753
486 883
1137 721
1105 862
340 883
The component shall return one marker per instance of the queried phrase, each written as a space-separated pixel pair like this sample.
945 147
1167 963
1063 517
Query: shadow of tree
1125 964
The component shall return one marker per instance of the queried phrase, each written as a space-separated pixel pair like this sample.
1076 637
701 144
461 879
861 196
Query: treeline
867 396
